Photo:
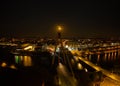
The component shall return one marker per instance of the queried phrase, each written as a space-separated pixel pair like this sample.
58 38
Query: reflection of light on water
64 76
105 56
12 67
3 64
16 59
109 56
43 83
114 55
27 61
21 57
98 58
24 60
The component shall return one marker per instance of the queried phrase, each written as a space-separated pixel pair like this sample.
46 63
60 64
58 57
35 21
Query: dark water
107 61
34 70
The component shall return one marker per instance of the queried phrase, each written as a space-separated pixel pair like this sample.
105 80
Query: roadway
108 81
64 77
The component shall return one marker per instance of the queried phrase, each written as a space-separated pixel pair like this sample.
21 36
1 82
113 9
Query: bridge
109 51
97 68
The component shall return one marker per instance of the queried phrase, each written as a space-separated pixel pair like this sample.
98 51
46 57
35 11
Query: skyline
78 19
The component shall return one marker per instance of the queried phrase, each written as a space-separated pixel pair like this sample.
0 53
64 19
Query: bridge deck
105 72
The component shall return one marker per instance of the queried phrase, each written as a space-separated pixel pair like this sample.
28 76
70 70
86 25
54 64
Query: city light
28 47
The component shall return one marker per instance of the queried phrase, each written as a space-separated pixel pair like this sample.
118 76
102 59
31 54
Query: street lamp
59 28
59 41
59 32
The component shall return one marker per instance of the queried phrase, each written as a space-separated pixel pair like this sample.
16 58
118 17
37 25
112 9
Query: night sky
39 18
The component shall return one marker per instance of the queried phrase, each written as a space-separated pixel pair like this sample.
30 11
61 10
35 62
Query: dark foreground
26 77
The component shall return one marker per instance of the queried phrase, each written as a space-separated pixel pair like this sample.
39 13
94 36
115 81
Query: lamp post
59 41
59 32
65 57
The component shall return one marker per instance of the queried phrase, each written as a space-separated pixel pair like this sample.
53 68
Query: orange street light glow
59 28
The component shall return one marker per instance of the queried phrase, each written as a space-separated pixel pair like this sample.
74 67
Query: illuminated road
109 82
105 72
64 78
